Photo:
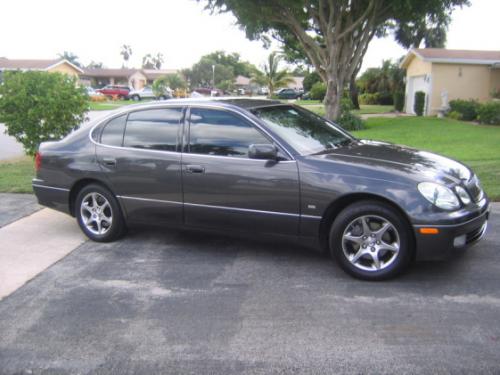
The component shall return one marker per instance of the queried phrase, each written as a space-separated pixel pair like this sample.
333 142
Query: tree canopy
219 66
334 34
40 106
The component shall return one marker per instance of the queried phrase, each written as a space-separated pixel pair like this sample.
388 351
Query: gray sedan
262 167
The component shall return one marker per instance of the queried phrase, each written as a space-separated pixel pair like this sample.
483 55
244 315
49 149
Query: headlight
439 195
463 195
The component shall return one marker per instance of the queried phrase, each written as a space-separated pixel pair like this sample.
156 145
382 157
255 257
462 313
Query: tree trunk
332 99
353 92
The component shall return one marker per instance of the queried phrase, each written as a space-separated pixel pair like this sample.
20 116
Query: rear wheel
98 214
371 241
135 98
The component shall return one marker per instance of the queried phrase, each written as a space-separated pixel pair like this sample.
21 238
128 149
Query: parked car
289 94
147 93
205 91
260 166
92 92
263 91
119 91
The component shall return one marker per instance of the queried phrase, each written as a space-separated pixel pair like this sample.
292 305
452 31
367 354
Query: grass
108 105
16 175
478 146
365 109
475 145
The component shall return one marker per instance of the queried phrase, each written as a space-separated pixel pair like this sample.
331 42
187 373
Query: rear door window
112 134
154 129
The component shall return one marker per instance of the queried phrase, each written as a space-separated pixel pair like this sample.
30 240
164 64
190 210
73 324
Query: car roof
244 103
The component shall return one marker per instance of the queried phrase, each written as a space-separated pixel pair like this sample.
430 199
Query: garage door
414 84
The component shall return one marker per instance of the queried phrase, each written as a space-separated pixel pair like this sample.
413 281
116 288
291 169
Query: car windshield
304 131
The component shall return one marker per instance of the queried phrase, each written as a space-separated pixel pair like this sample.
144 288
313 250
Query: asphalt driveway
162 301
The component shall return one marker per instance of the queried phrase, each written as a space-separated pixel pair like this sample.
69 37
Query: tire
100 222
135 98
163 97
386 237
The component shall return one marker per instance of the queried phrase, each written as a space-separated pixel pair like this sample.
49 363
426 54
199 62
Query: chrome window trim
184 106
221 207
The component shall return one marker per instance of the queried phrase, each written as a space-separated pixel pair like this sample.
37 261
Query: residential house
52 65
445 75
134 78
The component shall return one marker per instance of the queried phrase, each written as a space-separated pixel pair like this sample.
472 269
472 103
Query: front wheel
371 241
98 214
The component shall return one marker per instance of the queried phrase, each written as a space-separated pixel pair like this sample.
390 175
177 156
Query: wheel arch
79 185
336 206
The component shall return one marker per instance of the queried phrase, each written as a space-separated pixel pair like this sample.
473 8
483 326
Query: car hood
390 158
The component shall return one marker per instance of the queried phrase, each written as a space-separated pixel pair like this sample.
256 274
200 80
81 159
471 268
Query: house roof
126 72
452 56
32 64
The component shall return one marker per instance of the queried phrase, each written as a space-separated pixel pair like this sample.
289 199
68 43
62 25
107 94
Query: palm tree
126 52
273 77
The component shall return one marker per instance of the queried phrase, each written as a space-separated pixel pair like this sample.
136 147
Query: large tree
220 66
334 34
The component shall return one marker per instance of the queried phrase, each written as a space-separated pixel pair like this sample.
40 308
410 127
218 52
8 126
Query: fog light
459 241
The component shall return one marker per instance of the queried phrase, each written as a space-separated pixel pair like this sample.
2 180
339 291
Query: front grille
475 234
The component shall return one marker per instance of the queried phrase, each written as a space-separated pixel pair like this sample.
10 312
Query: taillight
38 161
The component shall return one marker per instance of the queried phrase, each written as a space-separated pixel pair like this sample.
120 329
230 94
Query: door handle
195 168
109 162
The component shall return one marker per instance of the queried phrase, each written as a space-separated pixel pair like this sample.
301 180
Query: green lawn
108 105
365 108
476 145
16 175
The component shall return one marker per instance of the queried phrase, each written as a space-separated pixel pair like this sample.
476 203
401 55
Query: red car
119 91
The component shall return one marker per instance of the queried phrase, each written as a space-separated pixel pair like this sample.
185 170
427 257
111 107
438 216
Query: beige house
134 78
54 65
450 74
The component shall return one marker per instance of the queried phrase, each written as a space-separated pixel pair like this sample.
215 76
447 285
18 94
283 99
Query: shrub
489 113
454 115
419 105
40 106
399 101
368 98
309 80
318 91
467 108
98 98
385 98
347 119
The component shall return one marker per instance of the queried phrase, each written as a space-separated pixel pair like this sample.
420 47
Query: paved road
9 148
176 302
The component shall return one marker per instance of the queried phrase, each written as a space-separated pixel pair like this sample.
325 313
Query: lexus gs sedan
263 167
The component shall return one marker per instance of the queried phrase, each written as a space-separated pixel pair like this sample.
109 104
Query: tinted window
302 130
215 132
154 129
112 134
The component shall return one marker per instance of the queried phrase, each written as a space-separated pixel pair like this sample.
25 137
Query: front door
224 188
141 159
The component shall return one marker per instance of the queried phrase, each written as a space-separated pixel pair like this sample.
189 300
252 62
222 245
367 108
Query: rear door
140 156
224 188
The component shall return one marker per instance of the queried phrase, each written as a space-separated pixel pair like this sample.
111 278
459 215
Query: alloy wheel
371 243
96 213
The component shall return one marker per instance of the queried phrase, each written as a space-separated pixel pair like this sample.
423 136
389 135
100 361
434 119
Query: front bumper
450 237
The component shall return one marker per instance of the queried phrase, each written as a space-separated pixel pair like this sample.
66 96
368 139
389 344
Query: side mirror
263 151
